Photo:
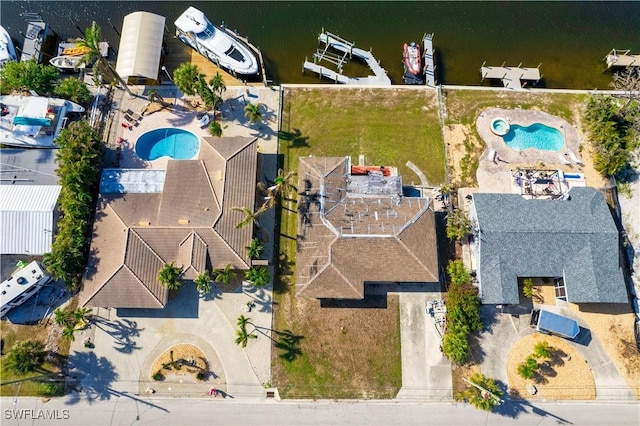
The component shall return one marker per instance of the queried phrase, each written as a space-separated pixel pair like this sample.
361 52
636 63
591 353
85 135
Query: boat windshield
208 32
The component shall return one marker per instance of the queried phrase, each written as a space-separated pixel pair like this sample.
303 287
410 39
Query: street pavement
124 409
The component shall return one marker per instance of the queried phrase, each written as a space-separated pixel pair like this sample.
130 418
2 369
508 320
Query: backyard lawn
388 126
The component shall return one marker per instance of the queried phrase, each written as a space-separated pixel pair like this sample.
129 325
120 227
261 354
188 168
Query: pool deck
494 170
179 114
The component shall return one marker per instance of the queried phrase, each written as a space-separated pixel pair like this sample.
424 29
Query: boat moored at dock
33 121
411 57
7 49
68 63
215 43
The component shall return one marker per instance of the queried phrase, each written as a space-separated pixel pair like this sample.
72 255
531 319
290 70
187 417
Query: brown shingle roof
346 238
136 234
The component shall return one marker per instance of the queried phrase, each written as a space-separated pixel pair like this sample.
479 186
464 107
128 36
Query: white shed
140 46
27 218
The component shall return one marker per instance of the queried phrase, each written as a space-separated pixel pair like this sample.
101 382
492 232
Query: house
29 192
148 218
357 229
573 241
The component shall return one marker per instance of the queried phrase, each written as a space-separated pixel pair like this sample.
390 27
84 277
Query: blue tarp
558 324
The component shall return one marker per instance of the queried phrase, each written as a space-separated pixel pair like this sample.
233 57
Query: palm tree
92 41
259 276
249 216
224 275
186 78
154 96
483 393
284 182
24 356
169 276
81 315
69 332
527 369
543 350
217 84
203 282
215 129
254 249
242 336
252 112
63 317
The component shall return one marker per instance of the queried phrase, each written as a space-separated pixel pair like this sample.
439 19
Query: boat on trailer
217 44
412 60
33 121
7 49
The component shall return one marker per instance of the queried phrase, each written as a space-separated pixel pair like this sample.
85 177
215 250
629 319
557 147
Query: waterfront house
148 218
355 229
573 242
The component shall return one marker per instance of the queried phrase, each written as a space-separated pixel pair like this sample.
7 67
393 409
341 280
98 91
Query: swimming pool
536 136
167 142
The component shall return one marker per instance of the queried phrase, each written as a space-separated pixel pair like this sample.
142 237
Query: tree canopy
28 75
79 159
74 90
186 77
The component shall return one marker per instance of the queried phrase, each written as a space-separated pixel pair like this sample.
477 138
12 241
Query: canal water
569 39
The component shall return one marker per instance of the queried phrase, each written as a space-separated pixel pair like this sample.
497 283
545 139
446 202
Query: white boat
33 121
218 45
7 49
68 63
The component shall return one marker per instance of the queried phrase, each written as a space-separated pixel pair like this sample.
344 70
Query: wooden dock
622 58
429 63
347 49
512 77
178 53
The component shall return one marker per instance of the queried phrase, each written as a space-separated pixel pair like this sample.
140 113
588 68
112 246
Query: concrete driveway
426 372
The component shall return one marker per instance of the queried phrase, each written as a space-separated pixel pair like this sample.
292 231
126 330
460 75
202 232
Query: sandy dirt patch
613 325
565 376
191 358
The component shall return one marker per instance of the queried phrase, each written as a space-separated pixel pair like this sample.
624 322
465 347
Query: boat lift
346 50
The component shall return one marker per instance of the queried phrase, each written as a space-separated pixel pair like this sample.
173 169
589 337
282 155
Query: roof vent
142 223
183 221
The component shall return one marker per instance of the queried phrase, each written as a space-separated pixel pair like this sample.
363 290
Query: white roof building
27 218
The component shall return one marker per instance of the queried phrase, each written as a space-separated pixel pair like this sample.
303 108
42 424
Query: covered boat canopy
140 45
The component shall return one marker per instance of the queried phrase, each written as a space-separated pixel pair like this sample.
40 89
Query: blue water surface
537 136
167 142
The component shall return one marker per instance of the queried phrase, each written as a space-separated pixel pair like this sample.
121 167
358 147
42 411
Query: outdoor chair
134 115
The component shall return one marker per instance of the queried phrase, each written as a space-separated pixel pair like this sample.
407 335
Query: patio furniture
134 115
130 120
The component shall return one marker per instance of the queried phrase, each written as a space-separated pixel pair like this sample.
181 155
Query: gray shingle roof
576 239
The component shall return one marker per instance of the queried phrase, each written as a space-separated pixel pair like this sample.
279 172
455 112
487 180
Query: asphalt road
129 410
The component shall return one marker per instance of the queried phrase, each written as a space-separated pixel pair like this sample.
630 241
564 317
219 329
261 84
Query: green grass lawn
388 126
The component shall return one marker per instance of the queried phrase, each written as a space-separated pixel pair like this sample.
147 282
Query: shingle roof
576 239
347 238
189 223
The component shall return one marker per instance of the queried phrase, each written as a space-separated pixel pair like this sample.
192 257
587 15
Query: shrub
201 376
28 75
458 225
215 129
455 346
527 287
259 276
457 272
527 369
74 90
158 376
24 357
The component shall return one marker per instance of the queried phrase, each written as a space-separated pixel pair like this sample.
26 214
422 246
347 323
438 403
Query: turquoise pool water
536 136
167 142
